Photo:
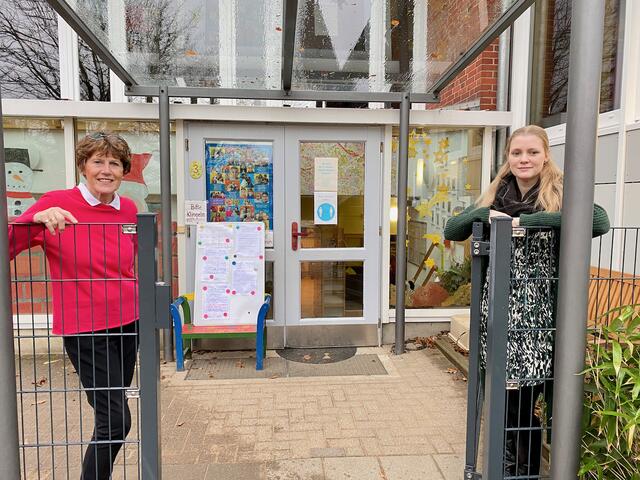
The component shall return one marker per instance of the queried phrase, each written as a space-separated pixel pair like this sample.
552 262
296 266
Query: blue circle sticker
326 212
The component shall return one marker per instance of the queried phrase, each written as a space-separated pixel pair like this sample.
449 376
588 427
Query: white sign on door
325 207
326 174
195 212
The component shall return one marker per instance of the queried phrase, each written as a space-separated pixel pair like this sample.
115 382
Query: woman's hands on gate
54 218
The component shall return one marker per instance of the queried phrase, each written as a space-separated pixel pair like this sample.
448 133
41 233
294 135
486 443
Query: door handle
295 234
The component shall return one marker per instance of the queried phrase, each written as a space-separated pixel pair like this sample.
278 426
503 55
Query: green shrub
611 420
459 274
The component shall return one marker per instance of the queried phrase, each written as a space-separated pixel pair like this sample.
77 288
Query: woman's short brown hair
103 142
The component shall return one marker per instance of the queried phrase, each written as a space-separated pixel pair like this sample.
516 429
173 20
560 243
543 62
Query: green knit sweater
459 228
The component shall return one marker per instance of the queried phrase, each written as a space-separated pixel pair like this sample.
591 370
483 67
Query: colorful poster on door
239 178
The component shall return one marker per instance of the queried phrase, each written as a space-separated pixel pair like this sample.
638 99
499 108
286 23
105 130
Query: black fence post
475 389
497 325
150 447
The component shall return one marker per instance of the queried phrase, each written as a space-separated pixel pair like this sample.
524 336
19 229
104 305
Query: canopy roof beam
293 95
70 16
288 42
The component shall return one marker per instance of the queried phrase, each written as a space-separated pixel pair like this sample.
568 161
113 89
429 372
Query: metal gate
517 408
88 398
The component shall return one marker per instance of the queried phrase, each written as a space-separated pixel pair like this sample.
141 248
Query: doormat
317 355
277 367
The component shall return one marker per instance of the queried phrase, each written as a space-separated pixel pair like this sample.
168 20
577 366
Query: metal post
474 388
587 29
165 199
9 453
401 237
150 451
497 324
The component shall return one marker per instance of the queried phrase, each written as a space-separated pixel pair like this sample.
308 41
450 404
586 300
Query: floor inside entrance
405 423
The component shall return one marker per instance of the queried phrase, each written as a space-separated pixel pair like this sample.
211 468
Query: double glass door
323 267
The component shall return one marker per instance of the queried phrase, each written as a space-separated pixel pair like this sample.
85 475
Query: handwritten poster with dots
229 273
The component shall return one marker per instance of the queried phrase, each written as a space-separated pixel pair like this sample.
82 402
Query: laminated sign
325 208
229 273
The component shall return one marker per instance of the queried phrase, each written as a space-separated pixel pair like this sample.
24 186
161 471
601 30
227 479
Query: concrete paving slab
418 467
352 468
451 465
303 469
230 471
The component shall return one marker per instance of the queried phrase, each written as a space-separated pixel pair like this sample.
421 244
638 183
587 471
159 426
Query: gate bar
497 324
587 30
165 199
150 443
475 389
401 236
9 453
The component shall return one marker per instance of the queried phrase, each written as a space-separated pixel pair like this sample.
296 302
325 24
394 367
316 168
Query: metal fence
514 293
86 399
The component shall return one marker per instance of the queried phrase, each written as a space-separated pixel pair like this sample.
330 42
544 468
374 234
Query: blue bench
185 331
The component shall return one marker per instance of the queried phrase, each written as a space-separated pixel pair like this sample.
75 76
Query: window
550 80
34 160
438 271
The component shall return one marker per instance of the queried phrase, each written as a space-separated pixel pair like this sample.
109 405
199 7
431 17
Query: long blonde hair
550 193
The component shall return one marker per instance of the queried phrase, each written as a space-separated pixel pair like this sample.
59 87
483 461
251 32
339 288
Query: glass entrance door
332 198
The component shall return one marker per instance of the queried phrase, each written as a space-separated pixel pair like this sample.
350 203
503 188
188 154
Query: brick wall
454 25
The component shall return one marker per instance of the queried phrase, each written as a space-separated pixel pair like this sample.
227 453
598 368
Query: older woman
528 189
91 264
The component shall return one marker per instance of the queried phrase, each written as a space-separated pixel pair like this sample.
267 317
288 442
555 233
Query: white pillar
521 66
69 62
118 46
227 47
273 47
377 44
419 61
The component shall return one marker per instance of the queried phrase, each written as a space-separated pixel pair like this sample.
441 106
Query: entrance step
459 331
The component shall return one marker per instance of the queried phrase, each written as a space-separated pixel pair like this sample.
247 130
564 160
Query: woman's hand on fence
494 213
515 223
54 218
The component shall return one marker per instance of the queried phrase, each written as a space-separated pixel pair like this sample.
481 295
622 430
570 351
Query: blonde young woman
527 189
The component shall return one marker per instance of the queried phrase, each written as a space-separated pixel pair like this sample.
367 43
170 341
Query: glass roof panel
340 45
385 45
195 43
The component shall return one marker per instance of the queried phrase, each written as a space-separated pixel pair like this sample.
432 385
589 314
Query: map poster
239 178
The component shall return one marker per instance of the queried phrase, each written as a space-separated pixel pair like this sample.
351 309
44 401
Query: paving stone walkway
409 424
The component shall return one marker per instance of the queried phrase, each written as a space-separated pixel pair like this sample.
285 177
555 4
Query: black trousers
524 445
105 362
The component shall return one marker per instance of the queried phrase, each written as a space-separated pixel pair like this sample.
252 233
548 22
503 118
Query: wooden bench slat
190 329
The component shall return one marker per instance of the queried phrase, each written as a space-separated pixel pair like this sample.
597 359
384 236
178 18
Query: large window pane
142 184
34 160
29 50
444 174
331 289
34 164
349 229
550 81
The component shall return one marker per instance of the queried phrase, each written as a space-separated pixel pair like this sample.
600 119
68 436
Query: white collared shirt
93 201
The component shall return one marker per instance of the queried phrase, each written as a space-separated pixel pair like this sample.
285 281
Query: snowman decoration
133 185
19 181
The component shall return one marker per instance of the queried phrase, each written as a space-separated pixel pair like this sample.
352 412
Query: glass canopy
338 45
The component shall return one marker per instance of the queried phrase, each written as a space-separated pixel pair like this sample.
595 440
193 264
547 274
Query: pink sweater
91 264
